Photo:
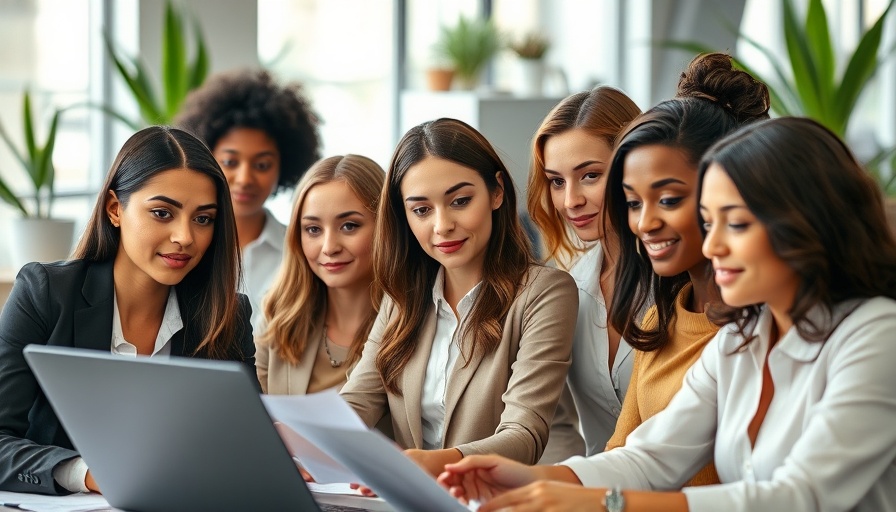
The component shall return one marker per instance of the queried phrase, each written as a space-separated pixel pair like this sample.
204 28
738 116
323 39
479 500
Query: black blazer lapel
93 322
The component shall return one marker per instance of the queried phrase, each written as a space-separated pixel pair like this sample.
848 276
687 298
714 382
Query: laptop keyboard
325 507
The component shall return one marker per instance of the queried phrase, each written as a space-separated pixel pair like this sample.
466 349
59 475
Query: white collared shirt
828 440
598 392
171 323
261 263
442 358
71 473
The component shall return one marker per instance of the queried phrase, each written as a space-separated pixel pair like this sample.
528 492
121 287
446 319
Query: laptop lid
170 434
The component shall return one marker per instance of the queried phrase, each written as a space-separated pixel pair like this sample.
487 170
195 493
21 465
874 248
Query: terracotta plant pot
439 79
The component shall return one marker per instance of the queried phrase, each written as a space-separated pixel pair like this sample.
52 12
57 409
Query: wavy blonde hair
296 304
602 112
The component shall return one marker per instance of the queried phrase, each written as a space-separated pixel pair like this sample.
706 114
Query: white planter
40 240
531 77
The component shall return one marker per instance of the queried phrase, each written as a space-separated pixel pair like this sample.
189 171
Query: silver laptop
171 434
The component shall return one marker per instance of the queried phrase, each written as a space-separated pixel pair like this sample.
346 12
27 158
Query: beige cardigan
278 377
502 403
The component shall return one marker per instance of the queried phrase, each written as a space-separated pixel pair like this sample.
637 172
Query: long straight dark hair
407 274
714 99
823 213
210 288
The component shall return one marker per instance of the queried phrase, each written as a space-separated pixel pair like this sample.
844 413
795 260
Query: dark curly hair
253 99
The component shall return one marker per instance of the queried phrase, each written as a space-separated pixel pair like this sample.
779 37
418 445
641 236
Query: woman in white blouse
570 157
793 399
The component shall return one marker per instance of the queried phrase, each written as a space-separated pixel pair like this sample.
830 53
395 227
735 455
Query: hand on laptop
90 483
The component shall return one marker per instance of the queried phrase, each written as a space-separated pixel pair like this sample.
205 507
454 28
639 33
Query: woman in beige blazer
320 309
471 348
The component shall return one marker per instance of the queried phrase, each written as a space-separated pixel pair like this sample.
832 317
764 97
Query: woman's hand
547 496
434 461
483 477
90 483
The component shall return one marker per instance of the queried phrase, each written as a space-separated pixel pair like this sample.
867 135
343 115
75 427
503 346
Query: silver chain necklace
333 362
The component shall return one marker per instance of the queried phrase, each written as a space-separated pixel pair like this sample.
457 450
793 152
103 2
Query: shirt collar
171 322
438 295
273 233
791 343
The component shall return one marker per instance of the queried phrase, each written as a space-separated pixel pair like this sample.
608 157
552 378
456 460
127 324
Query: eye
228 163
420 211
556 182
350 226
670 201
161 213
461 201
205 220
592 176
312 230
738 227
633 204
707 226
264 166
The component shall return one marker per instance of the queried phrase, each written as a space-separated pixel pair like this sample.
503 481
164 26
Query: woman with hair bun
663 282
793 399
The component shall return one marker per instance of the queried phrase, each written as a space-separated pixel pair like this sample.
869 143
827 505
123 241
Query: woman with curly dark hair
265 137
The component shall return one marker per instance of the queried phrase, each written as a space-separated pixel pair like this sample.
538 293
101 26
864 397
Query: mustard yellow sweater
658 375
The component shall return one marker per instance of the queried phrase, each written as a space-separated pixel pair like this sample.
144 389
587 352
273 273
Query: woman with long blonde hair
323 303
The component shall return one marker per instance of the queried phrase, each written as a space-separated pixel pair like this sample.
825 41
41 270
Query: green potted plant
468 45
38 236
179 75
805 81
530 50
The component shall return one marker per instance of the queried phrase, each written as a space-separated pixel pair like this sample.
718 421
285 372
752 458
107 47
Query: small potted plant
468 46
530 49
36 236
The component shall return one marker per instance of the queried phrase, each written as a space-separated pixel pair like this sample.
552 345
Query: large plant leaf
199 66
30 144
7 195
12 147
818 38
802 62
861 67
44 167
137 83
174 61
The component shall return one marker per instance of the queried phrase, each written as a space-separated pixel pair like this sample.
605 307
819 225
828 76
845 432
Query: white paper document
384 468
40 503
326 409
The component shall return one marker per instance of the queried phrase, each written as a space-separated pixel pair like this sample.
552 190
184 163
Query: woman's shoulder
58 271
543 275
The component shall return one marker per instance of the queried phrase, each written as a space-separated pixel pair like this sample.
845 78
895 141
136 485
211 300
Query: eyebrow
576 168
263 153
451 190
657 184
340 216
727 207
178 204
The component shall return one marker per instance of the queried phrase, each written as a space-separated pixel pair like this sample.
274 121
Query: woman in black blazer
155 273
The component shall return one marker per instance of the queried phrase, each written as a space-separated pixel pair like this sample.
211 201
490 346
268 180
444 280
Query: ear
113 208
498 193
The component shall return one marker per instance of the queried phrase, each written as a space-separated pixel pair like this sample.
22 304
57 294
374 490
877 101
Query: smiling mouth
659 246
334 266
452 246
582 219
